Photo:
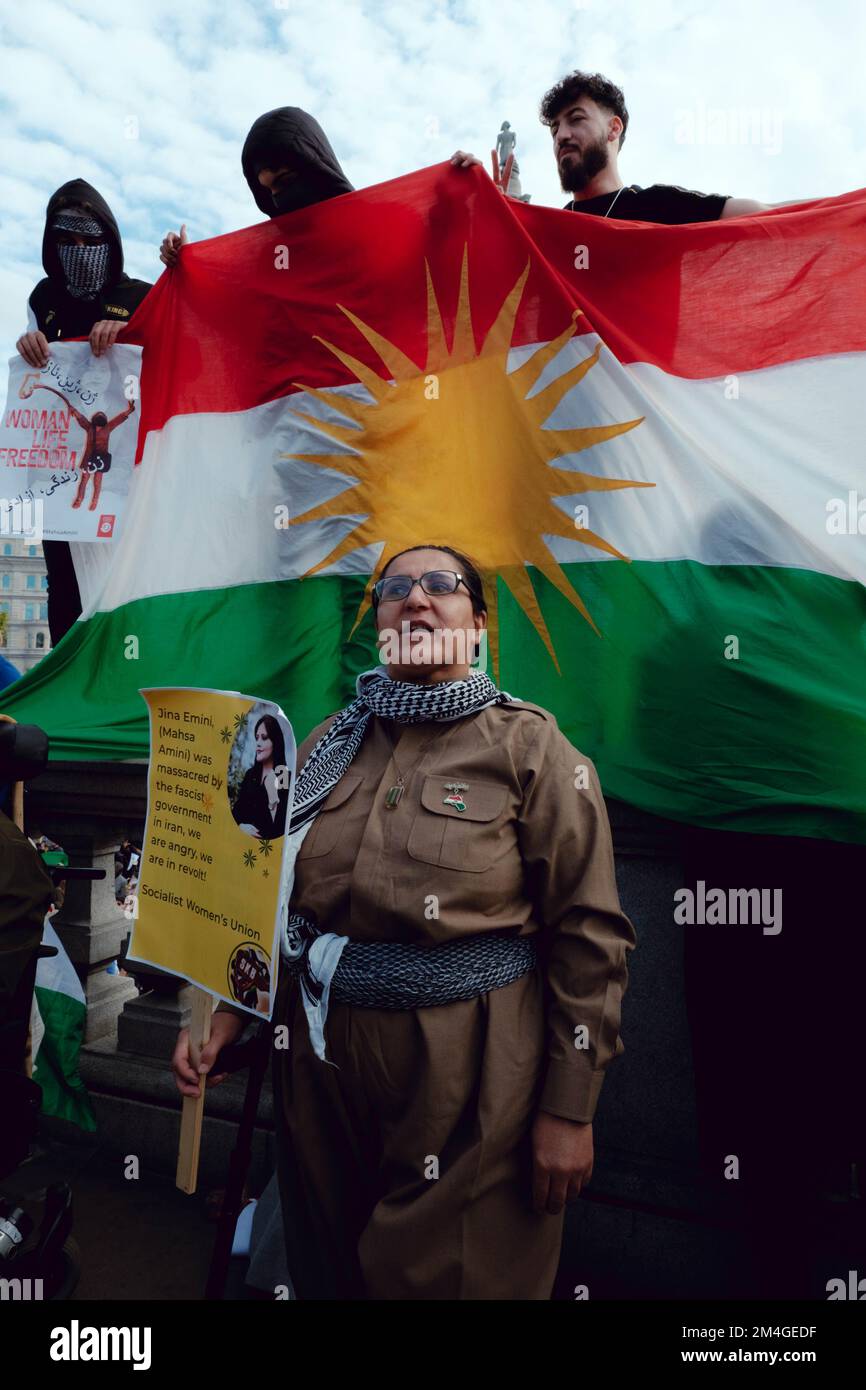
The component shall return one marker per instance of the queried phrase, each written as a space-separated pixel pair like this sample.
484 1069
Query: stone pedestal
149 1024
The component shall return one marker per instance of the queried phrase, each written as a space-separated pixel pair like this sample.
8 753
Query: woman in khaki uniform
430 1151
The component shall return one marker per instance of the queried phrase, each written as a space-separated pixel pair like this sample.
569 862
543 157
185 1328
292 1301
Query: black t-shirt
661 202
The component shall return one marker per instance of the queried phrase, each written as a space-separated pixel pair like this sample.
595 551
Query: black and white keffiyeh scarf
377 694
403 701
85 267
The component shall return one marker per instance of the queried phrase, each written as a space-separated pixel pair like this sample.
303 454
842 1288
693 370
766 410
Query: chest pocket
470 840
325 831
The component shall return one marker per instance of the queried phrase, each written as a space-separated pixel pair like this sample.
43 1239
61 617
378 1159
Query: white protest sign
67 443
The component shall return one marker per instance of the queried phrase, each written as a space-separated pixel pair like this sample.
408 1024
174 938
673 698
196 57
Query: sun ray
574 441
551 571
584 536
401 367
527 374
499 337
520 585
437 348
587 482
547 399
463 345
374 383
475 459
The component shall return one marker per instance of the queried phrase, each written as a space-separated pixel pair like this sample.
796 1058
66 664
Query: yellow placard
220 790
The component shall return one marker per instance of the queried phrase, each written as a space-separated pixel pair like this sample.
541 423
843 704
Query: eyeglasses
434 582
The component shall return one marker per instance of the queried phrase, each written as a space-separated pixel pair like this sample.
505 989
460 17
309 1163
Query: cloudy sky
150 100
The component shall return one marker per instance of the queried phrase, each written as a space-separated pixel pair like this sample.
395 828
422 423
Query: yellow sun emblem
456 451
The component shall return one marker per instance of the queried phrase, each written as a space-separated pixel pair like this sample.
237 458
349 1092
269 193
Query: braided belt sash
407 975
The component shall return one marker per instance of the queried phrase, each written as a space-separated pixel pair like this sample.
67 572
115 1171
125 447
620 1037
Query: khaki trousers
405 1169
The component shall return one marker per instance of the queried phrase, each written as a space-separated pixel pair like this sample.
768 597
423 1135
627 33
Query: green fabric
56 1069
773 742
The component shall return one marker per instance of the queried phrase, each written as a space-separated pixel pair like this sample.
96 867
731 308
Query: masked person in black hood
84 294
288 163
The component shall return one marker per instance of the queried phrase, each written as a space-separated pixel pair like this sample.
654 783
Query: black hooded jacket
291 136
57 313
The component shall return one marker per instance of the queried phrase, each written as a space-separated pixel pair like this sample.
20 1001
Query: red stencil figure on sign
95 458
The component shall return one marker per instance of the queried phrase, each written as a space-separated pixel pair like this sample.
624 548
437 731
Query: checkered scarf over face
85 267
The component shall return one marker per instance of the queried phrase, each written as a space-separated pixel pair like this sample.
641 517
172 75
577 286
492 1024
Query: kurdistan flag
650 439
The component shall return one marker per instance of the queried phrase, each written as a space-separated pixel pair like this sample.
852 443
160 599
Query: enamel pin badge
455 795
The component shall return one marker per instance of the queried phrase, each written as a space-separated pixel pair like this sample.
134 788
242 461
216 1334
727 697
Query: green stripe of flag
771 739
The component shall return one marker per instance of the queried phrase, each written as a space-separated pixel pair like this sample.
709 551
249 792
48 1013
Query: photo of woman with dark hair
261 803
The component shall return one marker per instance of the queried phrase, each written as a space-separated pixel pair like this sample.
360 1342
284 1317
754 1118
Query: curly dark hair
584 84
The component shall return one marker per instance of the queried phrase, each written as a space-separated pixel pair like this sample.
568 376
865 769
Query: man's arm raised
745 207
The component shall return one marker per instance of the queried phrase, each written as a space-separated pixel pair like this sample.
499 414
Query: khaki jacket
531 851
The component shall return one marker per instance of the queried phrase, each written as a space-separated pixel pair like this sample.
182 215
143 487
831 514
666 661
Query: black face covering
291 138
309 186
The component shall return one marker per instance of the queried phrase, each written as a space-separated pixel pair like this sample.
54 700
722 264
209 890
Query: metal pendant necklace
575 208
393 794
613 204
396 790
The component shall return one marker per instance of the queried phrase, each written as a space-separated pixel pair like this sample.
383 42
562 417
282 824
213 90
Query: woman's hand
561 1161
188 1064
251 830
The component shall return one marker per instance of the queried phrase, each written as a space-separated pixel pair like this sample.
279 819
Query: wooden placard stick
193 1106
